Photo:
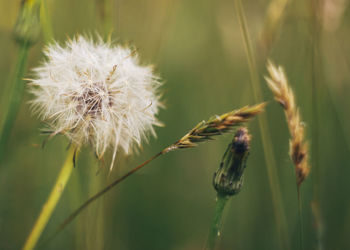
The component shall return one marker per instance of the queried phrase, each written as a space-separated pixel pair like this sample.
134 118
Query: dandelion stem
15 96
52 201
214 233
264 132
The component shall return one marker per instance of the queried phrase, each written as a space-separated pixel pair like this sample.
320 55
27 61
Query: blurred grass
197 49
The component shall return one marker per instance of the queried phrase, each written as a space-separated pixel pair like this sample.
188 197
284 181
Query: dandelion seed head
97 93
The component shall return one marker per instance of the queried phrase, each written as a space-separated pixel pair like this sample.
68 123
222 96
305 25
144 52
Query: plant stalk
300 212
73 215
214 233
52 201
25 33
15 96
315 30
105 12
46 22
265 133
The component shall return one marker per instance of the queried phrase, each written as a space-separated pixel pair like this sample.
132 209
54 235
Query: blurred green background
197 49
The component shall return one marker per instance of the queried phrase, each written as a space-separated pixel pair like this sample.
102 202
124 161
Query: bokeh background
197 49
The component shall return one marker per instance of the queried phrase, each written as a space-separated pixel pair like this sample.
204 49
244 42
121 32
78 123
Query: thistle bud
27 27
228 179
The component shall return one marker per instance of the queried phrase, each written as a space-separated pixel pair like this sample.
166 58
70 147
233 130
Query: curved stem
52 201
214 233
15 96
105 190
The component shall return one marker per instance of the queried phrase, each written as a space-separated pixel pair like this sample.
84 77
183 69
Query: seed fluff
97 93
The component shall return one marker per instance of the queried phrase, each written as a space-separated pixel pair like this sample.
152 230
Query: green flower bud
27 27
228 179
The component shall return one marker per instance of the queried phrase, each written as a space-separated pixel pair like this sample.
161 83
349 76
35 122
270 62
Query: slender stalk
105 13
300 212
15 96
214 233
265 133
102 192
315 129
52 200
46 21
76 194
25 32
315 29
94 229
274 18
108 26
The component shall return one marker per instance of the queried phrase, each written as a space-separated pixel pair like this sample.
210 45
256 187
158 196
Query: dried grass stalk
298 148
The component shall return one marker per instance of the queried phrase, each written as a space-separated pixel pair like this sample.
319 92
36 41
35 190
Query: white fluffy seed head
96 93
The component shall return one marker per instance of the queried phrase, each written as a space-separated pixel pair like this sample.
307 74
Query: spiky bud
228 179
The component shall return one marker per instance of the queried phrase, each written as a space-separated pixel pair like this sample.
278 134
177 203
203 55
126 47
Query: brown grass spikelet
218 125
298 148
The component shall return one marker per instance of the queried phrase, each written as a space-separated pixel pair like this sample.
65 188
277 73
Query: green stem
214 233
315 29
15 96
108 27
46 22
300 211
265 133
52 200
105 12
315 129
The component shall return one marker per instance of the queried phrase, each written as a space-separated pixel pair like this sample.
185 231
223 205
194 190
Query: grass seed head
218 125
283 94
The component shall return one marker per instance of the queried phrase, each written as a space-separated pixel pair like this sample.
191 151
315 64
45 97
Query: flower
97 93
